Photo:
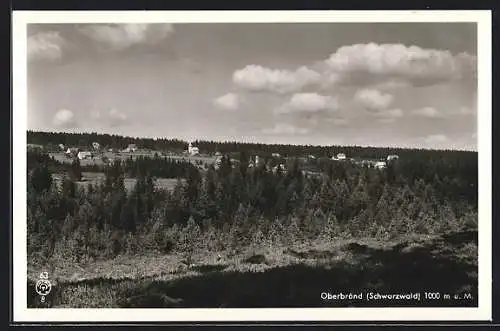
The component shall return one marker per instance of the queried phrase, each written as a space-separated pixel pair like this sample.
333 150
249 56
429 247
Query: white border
22 314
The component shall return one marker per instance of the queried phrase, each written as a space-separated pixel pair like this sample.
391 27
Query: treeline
235 207
455 171
133 167
52 140
226 147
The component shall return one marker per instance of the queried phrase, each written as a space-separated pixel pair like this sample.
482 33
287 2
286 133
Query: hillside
285 277
130 232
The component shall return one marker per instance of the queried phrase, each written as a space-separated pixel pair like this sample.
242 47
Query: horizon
249 142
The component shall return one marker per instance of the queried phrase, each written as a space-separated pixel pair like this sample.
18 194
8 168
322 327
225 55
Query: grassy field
272 276
97 177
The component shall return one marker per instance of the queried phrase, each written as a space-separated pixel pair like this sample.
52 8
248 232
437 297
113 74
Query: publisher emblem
43 286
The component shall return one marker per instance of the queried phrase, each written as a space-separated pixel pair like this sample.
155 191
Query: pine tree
75 172
68 188
237 232
40 179
331 228
118 201
294 232
189 238
193 181
225 167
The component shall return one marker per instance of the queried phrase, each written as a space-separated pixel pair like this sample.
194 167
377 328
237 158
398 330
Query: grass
292 276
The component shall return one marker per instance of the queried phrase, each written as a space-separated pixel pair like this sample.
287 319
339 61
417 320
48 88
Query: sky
365 84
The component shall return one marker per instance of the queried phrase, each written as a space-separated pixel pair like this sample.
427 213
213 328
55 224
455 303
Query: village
95 154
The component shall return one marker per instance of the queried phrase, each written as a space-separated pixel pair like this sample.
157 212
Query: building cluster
275 163
259 162
339 157
131 148
80 153
86 153
377 164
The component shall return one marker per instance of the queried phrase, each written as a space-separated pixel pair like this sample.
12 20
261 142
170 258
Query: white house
84 155
276 155
380 165
131 148
193 150
72 151
96 146
339 157
62 147
392 157
218 162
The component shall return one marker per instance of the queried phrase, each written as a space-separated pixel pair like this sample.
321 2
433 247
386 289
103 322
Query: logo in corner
43 286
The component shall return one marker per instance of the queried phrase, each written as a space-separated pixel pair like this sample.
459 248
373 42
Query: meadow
274 276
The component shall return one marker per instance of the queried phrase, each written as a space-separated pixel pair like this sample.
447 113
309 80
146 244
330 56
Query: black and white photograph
224 167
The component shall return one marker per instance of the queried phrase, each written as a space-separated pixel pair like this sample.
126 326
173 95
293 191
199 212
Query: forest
233 208
51 140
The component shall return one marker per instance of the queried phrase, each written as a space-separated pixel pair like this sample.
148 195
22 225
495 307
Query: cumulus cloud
308 103
379 66
45 46
258 78
121 36
285 129
64 118
428 112
373 100
229 101
412 64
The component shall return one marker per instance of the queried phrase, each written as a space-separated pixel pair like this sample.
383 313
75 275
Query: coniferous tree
75 172
40 179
